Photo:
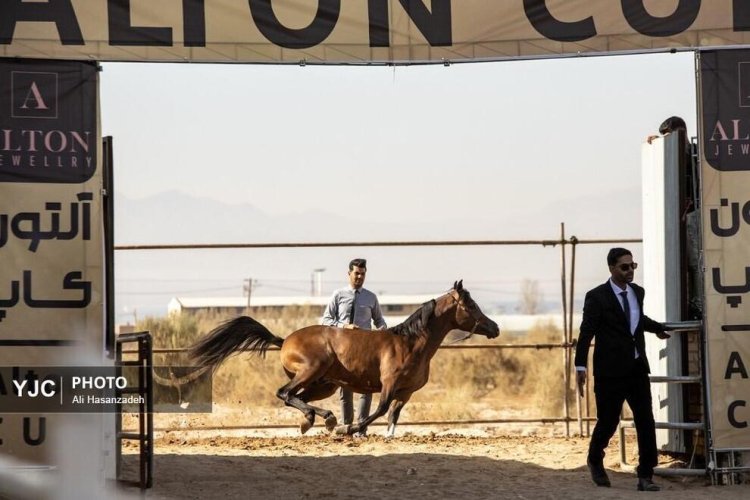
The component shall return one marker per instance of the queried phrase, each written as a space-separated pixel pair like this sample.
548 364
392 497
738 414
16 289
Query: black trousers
610 394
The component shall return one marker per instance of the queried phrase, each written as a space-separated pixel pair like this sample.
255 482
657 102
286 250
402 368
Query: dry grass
464 383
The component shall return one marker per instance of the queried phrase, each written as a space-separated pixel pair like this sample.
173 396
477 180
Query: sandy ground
418 463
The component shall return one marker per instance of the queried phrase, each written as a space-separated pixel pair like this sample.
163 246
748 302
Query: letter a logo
34 97
34 94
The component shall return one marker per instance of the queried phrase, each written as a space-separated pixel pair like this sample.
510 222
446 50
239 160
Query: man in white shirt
354 307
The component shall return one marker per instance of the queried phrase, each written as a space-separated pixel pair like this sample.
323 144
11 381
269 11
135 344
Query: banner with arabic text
51 250
725 180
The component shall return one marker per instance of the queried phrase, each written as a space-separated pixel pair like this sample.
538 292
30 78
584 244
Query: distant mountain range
175 217
146 281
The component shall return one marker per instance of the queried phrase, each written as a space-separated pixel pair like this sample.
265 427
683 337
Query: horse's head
468 315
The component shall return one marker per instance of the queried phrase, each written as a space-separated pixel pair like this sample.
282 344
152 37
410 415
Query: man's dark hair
615 253
358 263
672 124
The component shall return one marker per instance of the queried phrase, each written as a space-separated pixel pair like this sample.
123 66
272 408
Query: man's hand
350 326
581 380
663 335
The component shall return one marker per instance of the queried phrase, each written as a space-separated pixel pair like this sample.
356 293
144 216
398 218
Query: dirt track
410 466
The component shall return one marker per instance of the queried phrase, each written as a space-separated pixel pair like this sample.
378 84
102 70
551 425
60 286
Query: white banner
51 241
361 31
725 198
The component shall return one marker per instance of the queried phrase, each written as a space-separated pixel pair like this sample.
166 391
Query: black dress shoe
646 484
598 474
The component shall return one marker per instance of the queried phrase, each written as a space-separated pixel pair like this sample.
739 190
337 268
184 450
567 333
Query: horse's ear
458 285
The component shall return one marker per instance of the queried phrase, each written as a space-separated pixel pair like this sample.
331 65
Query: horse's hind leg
286 394
290 395
318 391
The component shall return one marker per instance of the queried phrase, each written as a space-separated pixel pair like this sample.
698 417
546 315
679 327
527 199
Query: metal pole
566 328
161 350
118 416
148 347
588 405
436 243
573 241
142 411
316 282
109 245
621 437
249 292
543 420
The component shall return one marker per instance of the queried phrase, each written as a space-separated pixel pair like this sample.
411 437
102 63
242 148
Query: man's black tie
354 307
626 307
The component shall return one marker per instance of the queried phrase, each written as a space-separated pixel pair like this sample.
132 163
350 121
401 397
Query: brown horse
318 359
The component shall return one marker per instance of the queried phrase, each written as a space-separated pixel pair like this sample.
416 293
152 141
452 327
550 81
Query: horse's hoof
331 423
305 426
343 430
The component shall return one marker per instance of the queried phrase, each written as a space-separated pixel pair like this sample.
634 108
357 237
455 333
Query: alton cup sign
51 277
725 177
361 31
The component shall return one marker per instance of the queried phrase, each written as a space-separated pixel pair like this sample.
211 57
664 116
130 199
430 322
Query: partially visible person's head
358 263
614 254
672 124
357 272
621 265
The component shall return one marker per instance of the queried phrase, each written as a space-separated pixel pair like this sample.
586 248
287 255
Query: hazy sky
479 141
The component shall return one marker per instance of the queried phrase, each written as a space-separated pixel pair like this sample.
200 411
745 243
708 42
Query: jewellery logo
48 121
27 99
725 80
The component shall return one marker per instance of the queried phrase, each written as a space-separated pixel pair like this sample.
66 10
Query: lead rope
476 322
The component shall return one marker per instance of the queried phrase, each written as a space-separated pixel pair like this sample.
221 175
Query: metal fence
567 291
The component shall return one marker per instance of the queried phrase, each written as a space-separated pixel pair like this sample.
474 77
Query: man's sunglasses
625 267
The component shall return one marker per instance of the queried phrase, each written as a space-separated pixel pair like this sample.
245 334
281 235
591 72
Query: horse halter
474 315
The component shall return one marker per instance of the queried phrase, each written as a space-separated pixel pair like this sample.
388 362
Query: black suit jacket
604 318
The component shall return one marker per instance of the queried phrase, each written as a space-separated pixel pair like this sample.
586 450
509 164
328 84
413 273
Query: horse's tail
233 336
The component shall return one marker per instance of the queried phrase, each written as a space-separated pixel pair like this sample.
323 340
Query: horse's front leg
386 396
398 403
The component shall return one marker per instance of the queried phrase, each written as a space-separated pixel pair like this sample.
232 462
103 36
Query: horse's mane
412 326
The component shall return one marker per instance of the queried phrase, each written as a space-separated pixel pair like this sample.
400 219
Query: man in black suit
613 313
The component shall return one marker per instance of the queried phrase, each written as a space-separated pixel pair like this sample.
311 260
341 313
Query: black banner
48 127
725 91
